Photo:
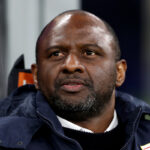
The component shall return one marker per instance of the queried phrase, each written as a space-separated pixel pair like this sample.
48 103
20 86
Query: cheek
47 74
98 76
102 76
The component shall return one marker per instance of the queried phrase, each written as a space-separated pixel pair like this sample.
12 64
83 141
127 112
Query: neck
100 123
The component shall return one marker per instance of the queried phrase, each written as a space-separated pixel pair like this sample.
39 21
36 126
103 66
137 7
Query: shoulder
21 102
18 119
131 102
135 115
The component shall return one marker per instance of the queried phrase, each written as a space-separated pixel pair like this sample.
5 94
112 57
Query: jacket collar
21 127
127 104
130 110
46 113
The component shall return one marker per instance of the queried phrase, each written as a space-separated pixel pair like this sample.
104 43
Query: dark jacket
27 122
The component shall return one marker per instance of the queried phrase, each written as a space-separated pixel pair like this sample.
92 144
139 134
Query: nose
72 64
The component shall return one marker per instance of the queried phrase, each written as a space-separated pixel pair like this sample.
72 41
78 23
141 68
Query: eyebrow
54 47
93 45
62 47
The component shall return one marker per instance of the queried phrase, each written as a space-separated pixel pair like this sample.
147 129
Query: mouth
72 85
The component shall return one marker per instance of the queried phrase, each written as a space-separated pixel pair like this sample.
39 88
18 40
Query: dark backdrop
125 17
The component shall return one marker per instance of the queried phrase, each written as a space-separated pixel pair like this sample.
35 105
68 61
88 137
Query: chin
73 100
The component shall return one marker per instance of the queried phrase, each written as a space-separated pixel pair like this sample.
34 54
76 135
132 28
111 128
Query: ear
121 67
34 70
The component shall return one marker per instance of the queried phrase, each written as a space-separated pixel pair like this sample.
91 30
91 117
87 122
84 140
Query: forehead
76 29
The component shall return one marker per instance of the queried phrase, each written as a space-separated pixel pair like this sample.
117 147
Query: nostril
79 70
65 71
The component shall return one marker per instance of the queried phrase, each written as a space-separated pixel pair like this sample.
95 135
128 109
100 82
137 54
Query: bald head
76 20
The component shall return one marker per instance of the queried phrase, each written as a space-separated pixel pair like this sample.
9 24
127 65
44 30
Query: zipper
133 130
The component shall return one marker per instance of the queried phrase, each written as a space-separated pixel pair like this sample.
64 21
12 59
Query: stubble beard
92 105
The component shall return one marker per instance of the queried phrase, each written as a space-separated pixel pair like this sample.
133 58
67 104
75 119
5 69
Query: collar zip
134 128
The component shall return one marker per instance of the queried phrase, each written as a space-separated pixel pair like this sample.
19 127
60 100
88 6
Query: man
75 104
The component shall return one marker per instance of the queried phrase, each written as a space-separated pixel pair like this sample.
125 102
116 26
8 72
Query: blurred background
21 21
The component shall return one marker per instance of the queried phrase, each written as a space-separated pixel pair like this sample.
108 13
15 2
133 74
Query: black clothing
28 122
98 141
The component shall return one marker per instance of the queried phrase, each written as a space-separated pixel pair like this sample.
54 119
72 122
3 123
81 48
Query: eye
89 52
56 54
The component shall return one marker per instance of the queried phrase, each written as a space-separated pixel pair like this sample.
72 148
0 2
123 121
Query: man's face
76 69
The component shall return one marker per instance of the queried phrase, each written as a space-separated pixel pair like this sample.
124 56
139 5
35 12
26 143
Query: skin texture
77 70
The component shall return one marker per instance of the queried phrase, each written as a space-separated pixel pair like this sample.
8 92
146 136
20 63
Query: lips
72 85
